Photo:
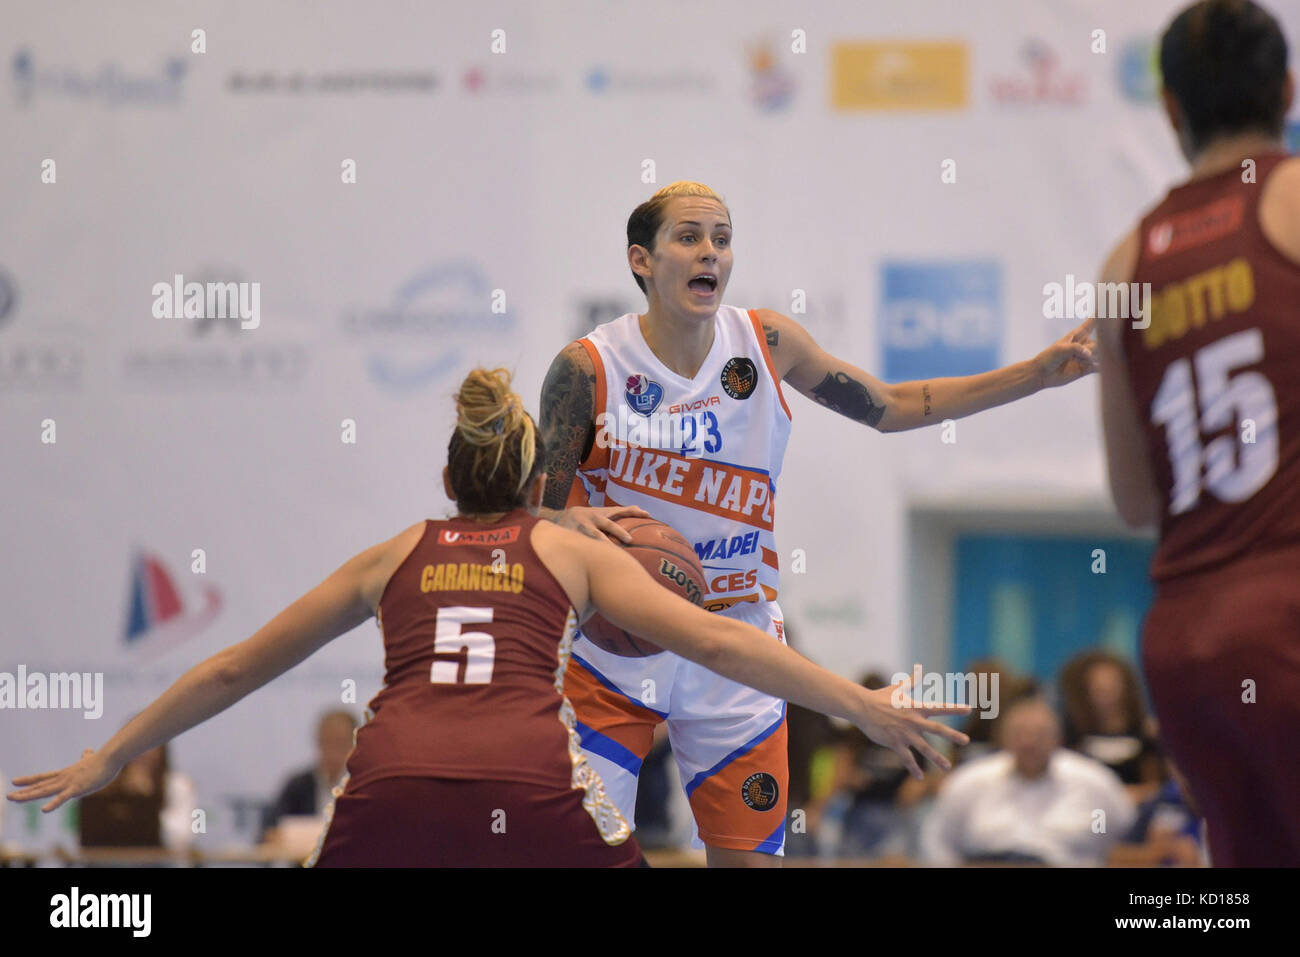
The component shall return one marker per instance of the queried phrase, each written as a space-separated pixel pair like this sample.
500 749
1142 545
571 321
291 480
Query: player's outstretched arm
621 590
337 605
568 427
848 390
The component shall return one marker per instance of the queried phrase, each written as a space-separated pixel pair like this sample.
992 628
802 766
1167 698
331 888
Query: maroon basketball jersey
1214 375
476 637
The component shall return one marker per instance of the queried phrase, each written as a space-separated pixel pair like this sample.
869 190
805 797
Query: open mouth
704 285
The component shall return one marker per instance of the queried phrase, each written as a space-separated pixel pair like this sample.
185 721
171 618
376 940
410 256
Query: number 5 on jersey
462 657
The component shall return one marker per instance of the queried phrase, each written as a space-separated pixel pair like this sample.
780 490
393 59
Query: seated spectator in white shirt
1031 802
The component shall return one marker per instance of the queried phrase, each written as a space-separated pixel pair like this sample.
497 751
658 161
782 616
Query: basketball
671 561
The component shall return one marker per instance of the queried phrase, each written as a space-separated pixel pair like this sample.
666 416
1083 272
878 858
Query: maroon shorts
1210 644
443 822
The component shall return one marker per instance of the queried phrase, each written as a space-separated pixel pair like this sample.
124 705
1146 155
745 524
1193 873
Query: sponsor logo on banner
380 81
1041 81
602 80
739 377
940 318
899 76
489 536
110 84
643 394
212 351
480 81
771 85
424 334
35 365
159 615
1139 70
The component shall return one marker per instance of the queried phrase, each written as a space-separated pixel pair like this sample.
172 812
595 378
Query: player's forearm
208 688
743 653
233 673
914 405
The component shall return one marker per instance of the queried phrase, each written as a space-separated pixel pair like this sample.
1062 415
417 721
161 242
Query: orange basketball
671 561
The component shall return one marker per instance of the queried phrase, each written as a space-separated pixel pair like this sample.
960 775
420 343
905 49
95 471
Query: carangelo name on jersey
467 576
1212 294
712 487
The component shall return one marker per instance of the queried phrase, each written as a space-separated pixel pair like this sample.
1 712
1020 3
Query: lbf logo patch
760 791
643 395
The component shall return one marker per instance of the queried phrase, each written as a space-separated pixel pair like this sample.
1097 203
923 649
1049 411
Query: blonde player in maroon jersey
718 369
469 756
1201 410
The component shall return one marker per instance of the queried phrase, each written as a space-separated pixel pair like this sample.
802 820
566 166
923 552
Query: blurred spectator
1031 802
874 779
1106 719
309 792
1011 687
1167 832
811 786
654 793
812 739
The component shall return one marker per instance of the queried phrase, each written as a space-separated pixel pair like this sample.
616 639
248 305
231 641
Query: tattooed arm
568 427
846 389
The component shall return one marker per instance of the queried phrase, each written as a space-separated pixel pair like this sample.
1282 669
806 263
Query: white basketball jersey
701 454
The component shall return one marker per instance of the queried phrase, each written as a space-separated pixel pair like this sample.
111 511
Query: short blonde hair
643 225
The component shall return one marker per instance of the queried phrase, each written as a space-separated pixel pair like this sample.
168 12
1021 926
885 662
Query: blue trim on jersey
745 748
608 748
775 841
611 686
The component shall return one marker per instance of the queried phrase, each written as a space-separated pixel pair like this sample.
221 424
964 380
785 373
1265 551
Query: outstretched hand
893 719
1071 357
89 774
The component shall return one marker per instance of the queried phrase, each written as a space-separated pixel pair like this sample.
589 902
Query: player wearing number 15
470 755
1201 408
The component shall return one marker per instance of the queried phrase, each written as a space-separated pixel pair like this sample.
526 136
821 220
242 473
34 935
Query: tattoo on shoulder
771 334
568 421
847 396
925 397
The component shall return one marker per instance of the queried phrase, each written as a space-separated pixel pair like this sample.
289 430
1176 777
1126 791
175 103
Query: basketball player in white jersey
678 414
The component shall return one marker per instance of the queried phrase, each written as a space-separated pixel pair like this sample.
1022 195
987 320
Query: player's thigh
730 745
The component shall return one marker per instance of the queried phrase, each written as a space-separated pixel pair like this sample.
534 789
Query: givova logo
940 318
